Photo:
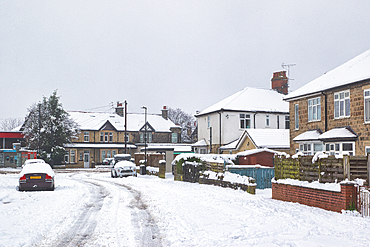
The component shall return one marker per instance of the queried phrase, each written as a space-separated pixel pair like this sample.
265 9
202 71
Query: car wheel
111 174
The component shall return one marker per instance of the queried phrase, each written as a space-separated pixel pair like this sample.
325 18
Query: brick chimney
119 109
279 82
165 112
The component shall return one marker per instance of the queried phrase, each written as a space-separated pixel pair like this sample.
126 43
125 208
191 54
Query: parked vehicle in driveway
36 176
123 168
119 157
108 161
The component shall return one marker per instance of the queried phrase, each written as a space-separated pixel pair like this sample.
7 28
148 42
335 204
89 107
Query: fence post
346 167
368 169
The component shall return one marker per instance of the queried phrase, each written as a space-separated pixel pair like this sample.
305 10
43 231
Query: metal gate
364 201
262 175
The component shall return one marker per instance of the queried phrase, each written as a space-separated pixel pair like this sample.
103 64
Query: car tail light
48 178
22 179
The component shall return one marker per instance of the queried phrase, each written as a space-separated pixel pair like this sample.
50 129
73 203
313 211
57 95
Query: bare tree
186 121
9 124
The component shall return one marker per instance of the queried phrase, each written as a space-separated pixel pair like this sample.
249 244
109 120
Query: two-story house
250 108
103 135
332 113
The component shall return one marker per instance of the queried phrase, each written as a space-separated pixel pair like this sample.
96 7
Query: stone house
250 108
332 113
103 135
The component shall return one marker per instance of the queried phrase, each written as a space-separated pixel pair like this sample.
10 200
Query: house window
339 148
209 121
106 137
127 137
314 109
287 122
111 136
148 135
114 153
109 153
81 155
174 137
86 136
342 104
101 136
102 155
267 120
66 157
296 117
245 121
73 156
367 105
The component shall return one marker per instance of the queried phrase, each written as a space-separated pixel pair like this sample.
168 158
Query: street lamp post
145 108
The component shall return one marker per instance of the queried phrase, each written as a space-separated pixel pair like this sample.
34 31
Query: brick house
332 113
250 108
103 135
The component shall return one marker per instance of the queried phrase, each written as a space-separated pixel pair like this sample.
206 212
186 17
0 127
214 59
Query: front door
86 159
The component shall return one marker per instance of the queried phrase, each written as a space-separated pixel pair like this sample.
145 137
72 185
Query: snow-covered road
89 208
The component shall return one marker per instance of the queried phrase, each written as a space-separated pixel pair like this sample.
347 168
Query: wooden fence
328 170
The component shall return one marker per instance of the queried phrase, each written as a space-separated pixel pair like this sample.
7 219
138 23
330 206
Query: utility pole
125 126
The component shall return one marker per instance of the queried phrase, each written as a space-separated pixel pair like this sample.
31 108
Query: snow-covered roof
356 69
254 151
309 135
251 99
98 145
339 133
96 120
201 143
232 145
176 147
270 138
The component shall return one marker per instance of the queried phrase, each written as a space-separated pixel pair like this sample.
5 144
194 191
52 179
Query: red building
7 138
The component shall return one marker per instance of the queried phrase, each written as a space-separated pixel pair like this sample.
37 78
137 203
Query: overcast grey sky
186 54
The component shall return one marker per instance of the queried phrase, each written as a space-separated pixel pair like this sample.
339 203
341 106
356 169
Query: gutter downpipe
254 120
220 112
326 111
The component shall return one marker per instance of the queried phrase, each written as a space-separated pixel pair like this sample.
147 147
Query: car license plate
35 177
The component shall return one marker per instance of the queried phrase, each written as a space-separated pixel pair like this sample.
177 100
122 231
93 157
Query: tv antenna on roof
287 68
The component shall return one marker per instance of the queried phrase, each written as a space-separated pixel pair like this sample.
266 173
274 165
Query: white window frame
341 109
148 137
209 121
296 116
314 109
367 106
336 148
287 122
86 136
106 136
245 121
267 122
367 150
73 156
103 155
174 137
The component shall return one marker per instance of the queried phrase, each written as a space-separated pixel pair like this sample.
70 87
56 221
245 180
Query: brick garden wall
329 200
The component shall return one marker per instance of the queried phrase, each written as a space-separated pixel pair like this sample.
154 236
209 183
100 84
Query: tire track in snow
84 226
147 233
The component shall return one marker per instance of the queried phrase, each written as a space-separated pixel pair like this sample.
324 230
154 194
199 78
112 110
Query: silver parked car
123 168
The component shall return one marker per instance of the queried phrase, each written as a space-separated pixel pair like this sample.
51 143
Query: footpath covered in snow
184 214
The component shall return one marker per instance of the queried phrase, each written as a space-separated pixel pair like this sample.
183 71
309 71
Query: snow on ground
186 214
